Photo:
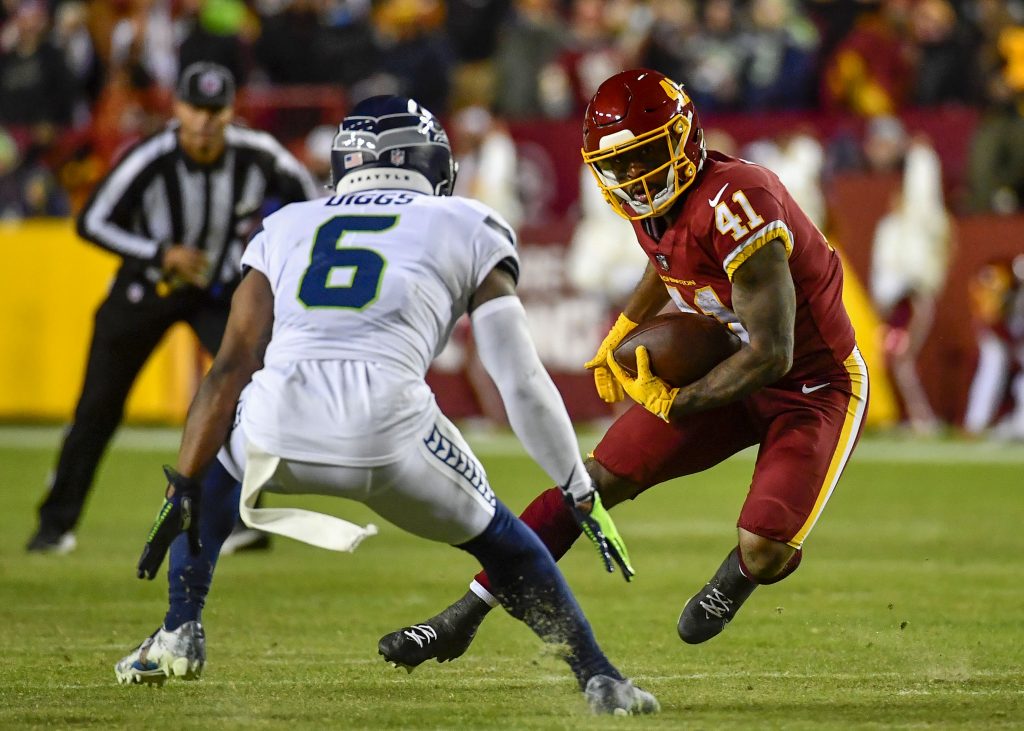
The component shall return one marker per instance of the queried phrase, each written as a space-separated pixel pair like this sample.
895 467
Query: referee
177 209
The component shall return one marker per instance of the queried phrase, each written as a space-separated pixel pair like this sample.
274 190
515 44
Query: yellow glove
607 387
646 389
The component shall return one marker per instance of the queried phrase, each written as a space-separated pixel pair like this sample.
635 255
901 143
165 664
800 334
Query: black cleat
443 637
713 607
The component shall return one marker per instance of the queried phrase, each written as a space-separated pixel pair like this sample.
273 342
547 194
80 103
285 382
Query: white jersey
367 288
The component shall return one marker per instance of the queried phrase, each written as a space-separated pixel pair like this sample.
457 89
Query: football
683 346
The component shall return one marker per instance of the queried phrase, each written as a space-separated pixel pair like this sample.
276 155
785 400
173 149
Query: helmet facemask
642 176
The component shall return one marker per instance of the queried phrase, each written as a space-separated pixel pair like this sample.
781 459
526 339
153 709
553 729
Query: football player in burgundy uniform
723 237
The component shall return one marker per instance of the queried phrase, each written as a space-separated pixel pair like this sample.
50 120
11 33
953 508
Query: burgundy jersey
734 209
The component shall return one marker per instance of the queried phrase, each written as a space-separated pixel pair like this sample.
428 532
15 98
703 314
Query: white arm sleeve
534 406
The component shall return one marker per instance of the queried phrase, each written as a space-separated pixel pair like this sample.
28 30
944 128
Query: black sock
189 576
530 587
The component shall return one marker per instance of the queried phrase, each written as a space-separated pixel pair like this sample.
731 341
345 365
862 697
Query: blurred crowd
79 77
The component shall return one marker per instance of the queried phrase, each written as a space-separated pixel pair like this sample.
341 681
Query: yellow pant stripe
851 427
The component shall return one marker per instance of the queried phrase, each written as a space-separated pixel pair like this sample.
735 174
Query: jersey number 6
321 284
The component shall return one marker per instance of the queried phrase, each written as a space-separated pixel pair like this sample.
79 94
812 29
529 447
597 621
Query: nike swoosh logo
811 389
714 201
568 480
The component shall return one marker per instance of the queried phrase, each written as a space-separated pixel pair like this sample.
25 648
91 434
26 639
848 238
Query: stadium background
80 80
906 613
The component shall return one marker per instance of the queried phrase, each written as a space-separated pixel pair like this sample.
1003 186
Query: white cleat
162 655
618 697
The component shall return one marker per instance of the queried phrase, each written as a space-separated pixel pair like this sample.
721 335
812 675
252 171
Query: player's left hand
599 527
646 389
180 512
607 387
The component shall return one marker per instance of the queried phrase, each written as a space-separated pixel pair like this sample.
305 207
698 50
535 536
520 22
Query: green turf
908 611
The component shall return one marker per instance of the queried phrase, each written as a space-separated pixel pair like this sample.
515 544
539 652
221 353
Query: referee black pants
125 334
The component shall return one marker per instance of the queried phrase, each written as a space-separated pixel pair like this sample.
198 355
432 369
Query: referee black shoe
443 637
50 541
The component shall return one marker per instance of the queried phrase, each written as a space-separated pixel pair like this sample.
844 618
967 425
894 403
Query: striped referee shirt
157 196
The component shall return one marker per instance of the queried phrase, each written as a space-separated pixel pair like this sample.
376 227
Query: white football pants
438 490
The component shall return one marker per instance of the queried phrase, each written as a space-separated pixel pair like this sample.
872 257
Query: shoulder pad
491 217
502 227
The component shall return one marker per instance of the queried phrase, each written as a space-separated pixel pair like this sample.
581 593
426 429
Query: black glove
179 512
598 526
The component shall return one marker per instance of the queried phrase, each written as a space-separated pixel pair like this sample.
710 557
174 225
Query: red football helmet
643 142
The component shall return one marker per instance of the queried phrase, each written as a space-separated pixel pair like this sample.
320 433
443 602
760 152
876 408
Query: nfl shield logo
211 84
398 158
352 160
662 261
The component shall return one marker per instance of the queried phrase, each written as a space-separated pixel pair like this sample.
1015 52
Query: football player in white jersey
319 388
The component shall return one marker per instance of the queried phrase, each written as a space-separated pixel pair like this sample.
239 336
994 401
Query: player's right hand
599 527
646 389
180 512
608 387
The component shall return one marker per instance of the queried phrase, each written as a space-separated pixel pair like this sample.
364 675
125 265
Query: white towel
316 529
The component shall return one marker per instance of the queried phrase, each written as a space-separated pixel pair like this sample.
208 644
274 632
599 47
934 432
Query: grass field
908 611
